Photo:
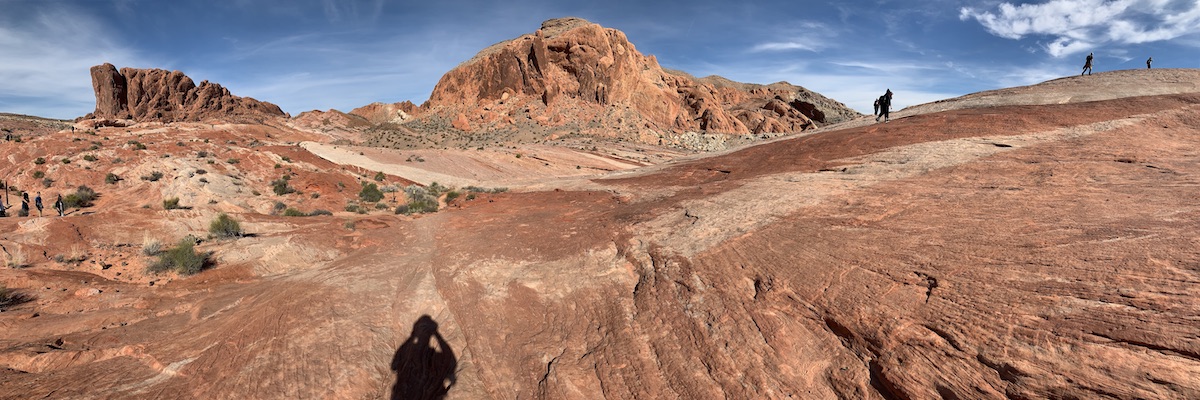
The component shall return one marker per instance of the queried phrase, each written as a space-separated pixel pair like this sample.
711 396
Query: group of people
1087 64
883 105
37 202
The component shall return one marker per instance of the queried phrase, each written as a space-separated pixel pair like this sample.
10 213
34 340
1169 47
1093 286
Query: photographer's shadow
423 372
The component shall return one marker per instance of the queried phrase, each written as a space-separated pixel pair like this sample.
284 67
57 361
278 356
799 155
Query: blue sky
322 54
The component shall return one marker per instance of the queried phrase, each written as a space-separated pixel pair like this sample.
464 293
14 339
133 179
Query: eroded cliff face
572 72
155 95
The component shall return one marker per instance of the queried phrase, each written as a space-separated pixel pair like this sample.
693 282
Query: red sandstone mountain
169 96
579 75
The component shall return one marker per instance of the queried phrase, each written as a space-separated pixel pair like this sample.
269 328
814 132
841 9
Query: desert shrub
39 161
182 258
224 226
201 154
436 189
171 203
280 186
286 159
151 246
319 212
89 157
292 212
111 178
352 207
83 197
278 207
17 259
380 176
153 177
66 161
420 201
47 182
9 297
370 193
451 195
232 161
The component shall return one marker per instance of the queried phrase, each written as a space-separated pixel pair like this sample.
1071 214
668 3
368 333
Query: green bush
380 176
420 201
319 212
153 177
370 193
292 212
451 195
38 174
111 178
83 197
224 227
171 203
39 161
89 157
47 182
182 258
280 186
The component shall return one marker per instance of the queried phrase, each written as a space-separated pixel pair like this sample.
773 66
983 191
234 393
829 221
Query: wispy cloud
47 54
1076 25
782 46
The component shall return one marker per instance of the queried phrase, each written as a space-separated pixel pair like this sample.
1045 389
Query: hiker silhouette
423 372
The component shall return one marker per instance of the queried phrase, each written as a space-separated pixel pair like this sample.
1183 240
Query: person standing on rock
1087 66
876 107
885 105
24 205
37 202
1148 60
59 206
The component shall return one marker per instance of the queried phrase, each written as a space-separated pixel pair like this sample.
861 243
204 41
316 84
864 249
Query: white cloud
782 46
47 57
1076 25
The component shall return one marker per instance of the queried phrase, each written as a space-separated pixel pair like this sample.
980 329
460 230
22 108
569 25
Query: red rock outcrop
169 96
380 113
575 69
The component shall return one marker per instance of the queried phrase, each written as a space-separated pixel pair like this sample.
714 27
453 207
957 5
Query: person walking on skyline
1148 60
1087 66
885 105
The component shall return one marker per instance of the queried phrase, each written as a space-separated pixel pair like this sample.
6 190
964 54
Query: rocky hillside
155 95
579 76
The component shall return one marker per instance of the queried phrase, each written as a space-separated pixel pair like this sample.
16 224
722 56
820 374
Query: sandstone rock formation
169 96
380 113
573 72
